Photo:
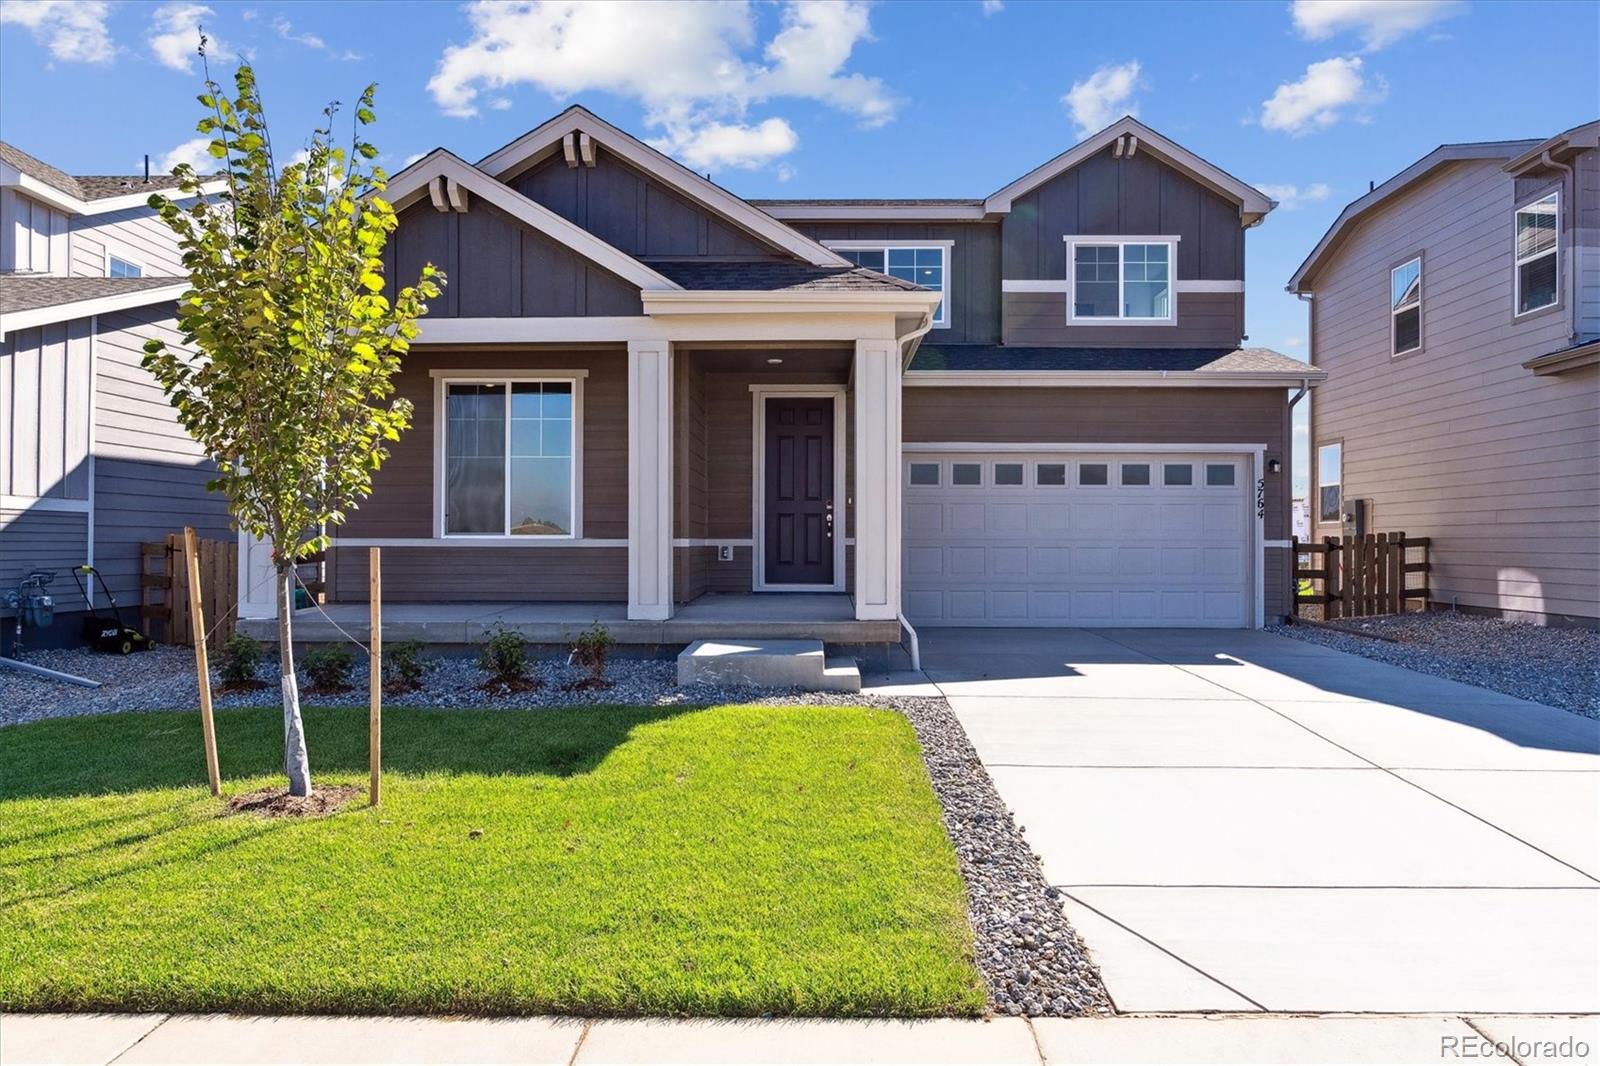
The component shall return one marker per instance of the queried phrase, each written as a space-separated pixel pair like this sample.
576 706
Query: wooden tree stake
197 624
375 681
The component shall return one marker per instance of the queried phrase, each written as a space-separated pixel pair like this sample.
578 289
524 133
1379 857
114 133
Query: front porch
829 617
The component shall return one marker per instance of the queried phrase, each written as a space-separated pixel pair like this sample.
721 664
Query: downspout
1568 194
908 341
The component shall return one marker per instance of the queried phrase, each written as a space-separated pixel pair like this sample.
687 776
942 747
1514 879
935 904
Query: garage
1124 538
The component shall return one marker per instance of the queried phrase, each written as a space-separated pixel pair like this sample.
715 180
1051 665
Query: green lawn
731 860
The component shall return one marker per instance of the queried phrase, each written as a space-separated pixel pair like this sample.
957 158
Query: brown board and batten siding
402 503
1104 196
1458 442
1118 416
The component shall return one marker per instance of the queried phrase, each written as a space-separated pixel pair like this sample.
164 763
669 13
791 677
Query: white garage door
1077 540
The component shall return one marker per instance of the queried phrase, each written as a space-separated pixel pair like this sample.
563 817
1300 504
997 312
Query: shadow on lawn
136 752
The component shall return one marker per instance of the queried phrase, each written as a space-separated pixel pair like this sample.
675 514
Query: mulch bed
277 803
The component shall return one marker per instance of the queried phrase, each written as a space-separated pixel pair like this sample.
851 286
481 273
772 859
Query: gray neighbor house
1456 311
92 460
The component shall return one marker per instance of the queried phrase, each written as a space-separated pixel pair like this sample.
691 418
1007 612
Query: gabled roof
1361 206
87 194
1578 138
544 140
1253 204
28 300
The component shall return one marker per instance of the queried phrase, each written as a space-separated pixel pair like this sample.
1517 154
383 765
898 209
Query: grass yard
730 860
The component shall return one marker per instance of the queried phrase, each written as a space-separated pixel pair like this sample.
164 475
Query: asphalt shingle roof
1196 360
28 292
87 186
777 277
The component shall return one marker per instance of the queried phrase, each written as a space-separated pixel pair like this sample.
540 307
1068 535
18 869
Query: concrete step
766 664
840 674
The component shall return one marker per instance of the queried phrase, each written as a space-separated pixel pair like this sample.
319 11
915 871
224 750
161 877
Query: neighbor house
643 399
92 459
1456 309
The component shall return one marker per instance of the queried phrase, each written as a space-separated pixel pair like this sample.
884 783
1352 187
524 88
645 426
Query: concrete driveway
1240 821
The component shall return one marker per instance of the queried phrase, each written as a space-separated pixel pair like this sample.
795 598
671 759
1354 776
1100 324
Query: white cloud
1294 197
1294 342
194 152
729 144
1379 22
175 34
500 103
74 31
993 7
689 64
412 158
1321 97
1103 97
285 29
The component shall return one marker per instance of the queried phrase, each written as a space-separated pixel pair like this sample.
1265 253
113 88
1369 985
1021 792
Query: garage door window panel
1219 475
1093 475
1050 475
1135 475
1177 475
1008 474
924 474
968 475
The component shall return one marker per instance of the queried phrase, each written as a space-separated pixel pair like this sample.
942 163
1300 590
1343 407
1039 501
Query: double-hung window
1330 478
1121 281
510 464
1537 259
1405 307
926 264
121 268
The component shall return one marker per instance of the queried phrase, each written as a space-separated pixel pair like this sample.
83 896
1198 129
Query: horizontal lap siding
1457 442
134 234
1205 320
42 540
486 575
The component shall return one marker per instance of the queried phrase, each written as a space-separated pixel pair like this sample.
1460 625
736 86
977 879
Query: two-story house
640 396
1456 308
92 459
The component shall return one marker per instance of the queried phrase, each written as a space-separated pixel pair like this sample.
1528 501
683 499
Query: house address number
1261 497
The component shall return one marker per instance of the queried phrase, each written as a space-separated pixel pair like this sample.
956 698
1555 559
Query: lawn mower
103 633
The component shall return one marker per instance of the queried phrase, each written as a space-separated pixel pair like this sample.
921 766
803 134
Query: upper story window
922 263
1122 281
509 465
1537 281
121 268
1330 482
1405 307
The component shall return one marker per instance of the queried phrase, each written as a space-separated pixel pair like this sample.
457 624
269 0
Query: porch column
649 479
258 594
877 495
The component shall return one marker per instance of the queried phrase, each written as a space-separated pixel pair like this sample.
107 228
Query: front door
798 521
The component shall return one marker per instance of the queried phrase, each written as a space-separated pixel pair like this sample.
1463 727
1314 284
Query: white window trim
1395 312
1074 240
759 395
945 252
124 259
442 381
1318 520
1517 262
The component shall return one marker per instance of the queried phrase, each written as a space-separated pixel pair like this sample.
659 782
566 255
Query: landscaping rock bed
1559 667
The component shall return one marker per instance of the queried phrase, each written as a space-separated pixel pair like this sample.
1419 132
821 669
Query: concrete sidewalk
126 1039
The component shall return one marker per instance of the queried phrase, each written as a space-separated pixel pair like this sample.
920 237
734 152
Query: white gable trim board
1052 547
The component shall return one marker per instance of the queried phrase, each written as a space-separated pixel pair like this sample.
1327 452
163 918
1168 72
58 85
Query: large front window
508 458
925 265
1538 271
1115 282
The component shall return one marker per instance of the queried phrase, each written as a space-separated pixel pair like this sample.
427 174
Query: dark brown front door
799 501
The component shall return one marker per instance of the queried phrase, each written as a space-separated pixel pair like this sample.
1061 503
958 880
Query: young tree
289 389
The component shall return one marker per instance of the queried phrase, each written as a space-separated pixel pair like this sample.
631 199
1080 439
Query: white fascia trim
899 242
72 205
967 447
740 302
884 213
1253 204
794 323
413 182
658 164
713 542
44 316
45 503
1109 378
490 376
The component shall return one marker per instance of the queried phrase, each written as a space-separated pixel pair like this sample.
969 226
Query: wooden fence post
197 622
375 676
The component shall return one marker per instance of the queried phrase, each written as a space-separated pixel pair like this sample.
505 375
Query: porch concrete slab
1557 812
1503 951
1028 731
1528 1036
1140 976
1287 827
209 1039
1049 675
664 1041
1516 735
71 1039
1255 1039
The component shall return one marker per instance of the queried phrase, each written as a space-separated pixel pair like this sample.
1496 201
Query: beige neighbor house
1456 309
644 400
92 459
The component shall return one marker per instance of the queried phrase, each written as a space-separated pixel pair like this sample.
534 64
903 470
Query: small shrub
505 656
591 650
403 665
237 661
329 667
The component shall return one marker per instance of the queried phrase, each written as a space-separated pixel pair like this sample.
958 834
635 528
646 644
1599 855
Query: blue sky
1309 100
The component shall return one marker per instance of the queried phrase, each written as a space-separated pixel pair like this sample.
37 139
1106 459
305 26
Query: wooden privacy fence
1377 573
164 612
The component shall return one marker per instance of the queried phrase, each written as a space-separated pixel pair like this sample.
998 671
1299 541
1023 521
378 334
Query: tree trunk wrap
296 763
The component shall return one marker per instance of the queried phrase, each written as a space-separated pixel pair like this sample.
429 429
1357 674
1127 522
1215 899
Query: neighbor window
1121 281
1537 244
1405 307
1330 475
927 265
508 458
121 268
